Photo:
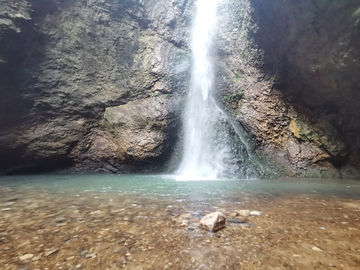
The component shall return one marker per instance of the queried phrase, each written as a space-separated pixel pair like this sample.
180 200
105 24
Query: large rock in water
213 222
141 128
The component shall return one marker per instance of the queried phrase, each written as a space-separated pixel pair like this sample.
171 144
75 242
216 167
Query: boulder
141 128
213 222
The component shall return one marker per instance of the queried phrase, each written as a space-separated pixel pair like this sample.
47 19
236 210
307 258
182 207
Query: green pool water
166 186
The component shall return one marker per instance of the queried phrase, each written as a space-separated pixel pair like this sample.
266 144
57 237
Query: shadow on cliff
22 48
311 47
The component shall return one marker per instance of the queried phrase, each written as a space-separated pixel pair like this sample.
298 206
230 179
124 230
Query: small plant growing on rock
233 97
155 94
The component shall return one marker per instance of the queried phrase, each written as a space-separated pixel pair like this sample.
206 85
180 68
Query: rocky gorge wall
98 86
296 67
64 62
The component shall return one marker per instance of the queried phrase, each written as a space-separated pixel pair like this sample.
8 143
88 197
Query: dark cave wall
315 44
314 54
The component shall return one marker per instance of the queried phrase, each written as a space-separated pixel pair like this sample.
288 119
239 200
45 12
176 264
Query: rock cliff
98 85
64 62
289 72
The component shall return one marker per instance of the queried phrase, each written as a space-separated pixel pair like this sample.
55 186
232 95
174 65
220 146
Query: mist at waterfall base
212 147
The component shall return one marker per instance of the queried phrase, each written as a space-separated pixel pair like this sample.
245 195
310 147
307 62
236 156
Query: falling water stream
199 160
213 148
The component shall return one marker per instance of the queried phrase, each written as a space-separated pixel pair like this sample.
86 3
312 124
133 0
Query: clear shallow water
152 222
166 186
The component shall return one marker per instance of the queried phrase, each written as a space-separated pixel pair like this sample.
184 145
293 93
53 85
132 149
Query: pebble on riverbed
50 251
235 220
26 257
90 255
316 249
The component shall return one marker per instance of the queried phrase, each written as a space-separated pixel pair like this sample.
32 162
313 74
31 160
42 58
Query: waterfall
199 160
214 146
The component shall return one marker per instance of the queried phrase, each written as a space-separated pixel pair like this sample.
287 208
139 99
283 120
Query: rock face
288 72
141 128
213 222
63 62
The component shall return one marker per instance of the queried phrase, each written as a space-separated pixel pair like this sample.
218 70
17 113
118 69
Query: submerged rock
244 213
255 213
316 249
213 222
50 251
90 255
235 220
26 257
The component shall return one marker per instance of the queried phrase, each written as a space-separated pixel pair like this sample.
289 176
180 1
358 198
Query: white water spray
201 160
215 146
